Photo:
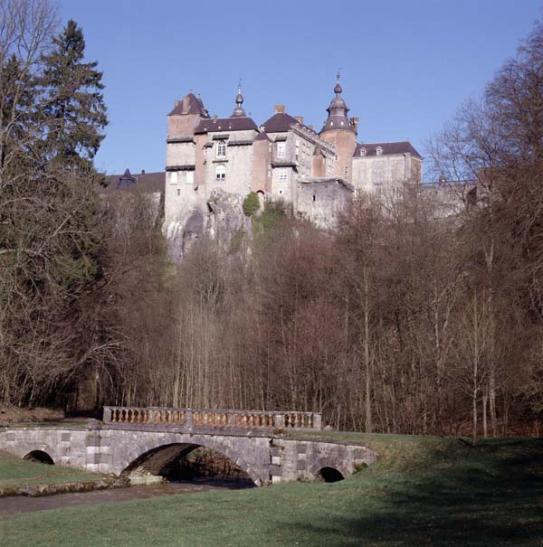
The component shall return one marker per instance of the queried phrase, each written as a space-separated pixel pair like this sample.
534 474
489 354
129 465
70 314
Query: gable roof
238 123
402 147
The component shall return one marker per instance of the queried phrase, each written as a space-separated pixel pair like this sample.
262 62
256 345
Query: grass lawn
423 491
15 472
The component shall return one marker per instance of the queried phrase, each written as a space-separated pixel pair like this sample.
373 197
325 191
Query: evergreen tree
74 110
17 120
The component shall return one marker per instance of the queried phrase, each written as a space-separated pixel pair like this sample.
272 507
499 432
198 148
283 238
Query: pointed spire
238 111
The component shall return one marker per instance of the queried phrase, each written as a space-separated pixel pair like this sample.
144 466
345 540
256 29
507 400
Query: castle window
281 149
220 172
378 151
283 174
178 191
189 177
221 149
173 177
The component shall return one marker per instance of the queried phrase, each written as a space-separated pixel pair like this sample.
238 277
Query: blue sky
406 65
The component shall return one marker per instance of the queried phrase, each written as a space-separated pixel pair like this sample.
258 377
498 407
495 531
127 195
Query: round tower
340 131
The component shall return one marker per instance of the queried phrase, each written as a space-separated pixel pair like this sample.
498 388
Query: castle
313 173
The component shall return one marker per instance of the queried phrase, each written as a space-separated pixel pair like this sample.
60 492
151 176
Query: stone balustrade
189 418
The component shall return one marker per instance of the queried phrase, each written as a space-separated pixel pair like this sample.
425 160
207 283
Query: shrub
251 204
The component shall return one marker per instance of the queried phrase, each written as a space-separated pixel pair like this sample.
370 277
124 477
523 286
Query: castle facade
314 173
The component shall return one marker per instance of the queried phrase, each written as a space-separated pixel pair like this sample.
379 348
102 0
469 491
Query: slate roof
241 123
145 182
402 147
279 123
190 104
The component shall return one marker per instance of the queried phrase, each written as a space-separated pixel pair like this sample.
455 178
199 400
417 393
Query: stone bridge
133 438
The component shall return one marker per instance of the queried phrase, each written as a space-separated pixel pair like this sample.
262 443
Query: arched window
220 173
378 151
362 151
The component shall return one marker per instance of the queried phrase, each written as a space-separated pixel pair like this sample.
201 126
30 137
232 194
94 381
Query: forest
400 320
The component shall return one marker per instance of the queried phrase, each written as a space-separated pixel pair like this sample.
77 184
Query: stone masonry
265 457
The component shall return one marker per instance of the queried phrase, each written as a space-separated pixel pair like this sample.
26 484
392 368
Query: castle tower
340 131
185 116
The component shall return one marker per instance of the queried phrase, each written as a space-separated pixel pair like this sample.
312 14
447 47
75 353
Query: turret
340 131
337 112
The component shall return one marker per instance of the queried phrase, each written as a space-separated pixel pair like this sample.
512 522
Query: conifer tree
16 112
74 110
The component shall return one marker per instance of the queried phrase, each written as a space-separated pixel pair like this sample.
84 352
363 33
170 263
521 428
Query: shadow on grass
491 493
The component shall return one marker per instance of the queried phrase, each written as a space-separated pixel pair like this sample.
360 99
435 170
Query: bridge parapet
189 418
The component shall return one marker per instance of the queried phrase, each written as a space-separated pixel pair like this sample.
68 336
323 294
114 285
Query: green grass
16 472
423 491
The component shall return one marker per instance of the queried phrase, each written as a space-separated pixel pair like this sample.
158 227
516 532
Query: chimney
279 108
300 119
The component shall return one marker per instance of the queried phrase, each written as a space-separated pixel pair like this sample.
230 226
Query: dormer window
221 149
379 151
363 151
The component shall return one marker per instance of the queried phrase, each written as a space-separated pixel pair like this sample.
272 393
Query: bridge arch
330 474
39 456
329 470
155 455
